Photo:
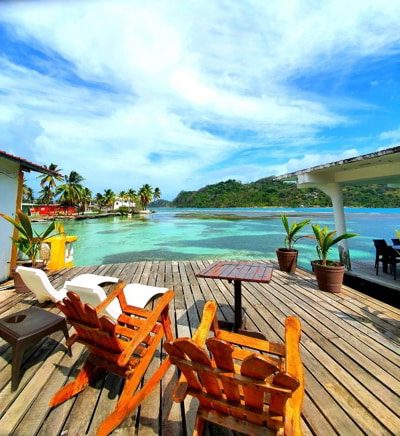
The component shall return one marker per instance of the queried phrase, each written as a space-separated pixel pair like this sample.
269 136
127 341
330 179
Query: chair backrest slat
100 331
222 354
83 316
243 390
258 368
198 355
190 375
380 246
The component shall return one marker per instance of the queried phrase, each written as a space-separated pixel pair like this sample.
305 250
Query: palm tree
145 194
122 195
109 198
46 195
131 196
157 193
100 200
85 199
27 192
49 180
71 190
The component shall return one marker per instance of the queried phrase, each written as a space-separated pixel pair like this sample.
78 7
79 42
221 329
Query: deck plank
337 364
150 409
350 349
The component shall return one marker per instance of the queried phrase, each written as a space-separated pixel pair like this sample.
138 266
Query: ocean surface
238 233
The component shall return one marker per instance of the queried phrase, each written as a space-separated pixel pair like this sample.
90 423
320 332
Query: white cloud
180 73
392 135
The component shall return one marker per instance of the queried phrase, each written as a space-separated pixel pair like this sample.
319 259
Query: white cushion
37 281
85 285
138 295
92 279
94 295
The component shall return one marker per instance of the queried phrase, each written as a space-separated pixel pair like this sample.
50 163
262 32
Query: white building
119 202
12 170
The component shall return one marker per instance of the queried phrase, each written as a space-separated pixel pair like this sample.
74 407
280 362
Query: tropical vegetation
85 199
48 183
268 192
72 192
29 240
292 231
326 239
27 192
46 195
145 195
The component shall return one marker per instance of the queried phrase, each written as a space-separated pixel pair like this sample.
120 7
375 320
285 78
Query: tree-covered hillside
268 192
161 203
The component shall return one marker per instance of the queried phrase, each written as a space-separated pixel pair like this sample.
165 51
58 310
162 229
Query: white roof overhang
379 167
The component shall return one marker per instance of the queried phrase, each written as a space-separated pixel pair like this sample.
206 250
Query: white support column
335 192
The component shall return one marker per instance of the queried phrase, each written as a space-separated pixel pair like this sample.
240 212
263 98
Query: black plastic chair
394 259
381 254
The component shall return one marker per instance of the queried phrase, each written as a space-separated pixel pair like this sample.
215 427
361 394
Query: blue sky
183 94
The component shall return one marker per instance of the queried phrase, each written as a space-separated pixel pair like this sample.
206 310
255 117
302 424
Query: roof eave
340 163
26 165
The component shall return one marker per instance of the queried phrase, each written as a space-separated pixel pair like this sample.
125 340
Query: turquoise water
176 234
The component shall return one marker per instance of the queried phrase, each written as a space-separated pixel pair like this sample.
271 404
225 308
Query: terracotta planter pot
287 259
329 277
19 284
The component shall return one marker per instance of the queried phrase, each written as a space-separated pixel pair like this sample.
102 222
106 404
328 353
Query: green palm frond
326 240
12 221
292 230
28 241
25 223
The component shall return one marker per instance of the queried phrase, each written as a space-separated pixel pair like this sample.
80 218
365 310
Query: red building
52 209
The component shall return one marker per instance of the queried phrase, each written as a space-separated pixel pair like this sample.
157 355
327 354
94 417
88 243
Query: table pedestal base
237 272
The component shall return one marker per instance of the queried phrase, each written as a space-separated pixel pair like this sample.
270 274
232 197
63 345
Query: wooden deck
366 270
350 349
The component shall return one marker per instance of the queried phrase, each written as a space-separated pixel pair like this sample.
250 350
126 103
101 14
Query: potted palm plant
28 242
287 256
329 273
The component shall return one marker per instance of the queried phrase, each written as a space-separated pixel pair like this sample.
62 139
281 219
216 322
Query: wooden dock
350 351
366 270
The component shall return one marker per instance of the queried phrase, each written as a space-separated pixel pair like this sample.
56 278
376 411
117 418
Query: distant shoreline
38 219
225 213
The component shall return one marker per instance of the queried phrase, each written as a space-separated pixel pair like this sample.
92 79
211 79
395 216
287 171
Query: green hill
160 203
269 192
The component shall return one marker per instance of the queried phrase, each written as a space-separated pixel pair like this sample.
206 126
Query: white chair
37 281
87 287
136 295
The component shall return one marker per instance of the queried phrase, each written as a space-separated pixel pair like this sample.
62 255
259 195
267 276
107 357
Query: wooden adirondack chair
125 347
248 392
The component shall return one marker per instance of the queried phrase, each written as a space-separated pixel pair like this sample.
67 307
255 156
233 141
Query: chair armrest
255 343
207 323
294 369
119 287
137 311
146 328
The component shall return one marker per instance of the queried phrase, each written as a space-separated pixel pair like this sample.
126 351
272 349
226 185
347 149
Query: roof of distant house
26 164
